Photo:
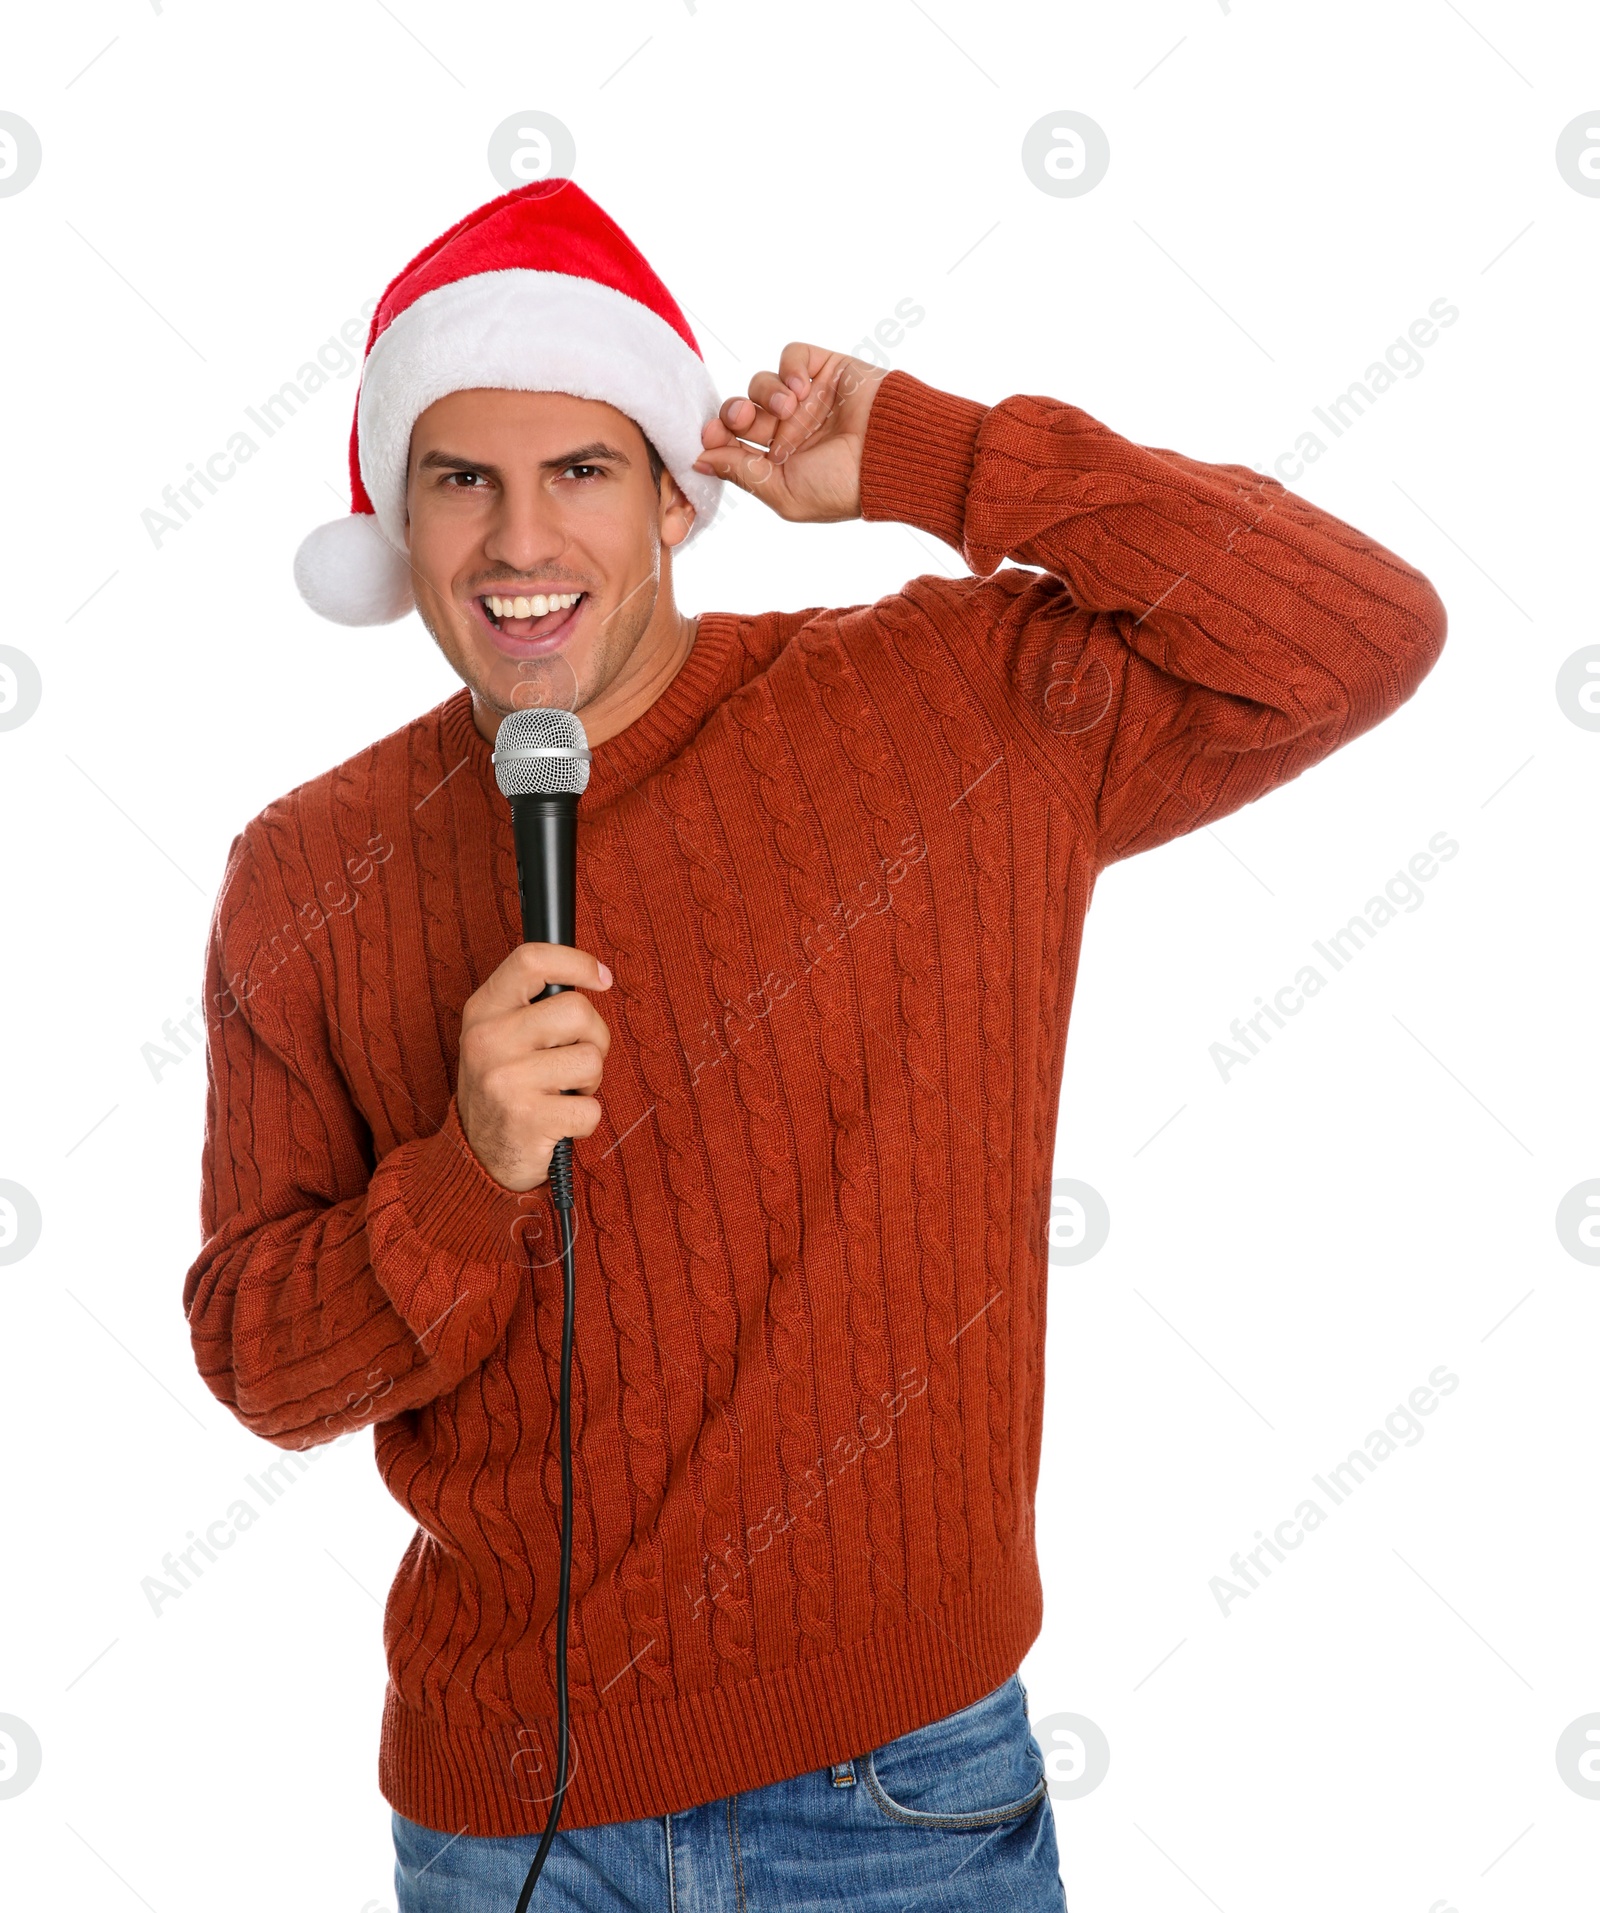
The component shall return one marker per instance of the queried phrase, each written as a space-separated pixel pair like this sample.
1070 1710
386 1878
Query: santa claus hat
538 291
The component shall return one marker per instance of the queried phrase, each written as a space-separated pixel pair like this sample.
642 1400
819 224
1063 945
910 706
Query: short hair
657 463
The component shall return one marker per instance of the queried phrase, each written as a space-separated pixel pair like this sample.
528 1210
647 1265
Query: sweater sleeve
1193 635
331 1290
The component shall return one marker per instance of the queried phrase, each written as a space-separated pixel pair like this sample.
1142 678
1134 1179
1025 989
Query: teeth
537 606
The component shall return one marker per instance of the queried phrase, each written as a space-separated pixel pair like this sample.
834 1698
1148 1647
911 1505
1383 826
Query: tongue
537 627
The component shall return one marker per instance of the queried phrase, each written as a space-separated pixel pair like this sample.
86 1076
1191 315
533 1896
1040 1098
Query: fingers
537 1029
517 1082
575 1116
804 403
774 397
527 1071
798 365
556 1023
777 393
726 455
808 416
529 968
739 419
578 1066
542 1114
751 470
531 1033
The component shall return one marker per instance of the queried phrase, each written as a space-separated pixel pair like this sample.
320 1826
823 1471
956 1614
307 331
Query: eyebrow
583 455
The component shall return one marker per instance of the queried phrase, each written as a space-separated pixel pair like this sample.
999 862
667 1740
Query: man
833 871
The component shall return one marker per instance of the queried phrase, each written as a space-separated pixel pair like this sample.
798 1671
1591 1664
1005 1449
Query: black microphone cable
561 1196
541 763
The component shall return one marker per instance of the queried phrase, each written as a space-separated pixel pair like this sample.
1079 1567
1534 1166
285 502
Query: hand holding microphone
532 1046
530 1064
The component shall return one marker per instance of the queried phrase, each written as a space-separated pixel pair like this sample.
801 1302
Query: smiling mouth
533 617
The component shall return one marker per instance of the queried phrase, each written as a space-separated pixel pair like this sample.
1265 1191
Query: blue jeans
950 1817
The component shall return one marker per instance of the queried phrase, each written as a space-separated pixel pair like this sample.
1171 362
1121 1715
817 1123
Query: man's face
517 496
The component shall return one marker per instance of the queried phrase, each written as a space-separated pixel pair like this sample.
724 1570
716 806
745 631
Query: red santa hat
538 291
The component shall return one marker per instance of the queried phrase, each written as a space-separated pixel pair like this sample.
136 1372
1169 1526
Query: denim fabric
951 1817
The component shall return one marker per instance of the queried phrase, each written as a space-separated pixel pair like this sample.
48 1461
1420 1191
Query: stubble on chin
562 683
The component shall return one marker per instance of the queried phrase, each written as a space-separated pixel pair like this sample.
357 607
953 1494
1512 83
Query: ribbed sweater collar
627 759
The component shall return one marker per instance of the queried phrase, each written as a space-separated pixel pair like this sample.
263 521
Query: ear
675 516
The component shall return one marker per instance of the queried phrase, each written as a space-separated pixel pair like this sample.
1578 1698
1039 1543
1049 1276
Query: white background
1297 1247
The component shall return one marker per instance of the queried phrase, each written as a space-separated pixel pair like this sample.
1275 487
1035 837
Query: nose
525 532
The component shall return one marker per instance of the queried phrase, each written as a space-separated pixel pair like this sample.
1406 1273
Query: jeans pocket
976 1768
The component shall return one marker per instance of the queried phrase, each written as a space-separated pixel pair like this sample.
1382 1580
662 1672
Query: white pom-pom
349 572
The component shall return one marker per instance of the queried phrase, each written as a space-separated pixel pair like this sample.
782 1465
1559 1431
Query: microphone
541 763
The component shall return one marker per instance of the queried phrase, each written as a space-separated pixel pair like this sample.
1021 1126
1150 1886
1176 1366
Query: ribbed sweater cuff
454 1204
916 463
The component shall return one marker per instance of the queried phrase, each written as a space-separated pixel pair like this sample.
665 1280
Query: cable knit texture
840 871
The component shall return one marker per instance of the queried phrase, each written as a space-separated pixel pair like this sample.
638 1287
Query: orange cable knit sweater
840 871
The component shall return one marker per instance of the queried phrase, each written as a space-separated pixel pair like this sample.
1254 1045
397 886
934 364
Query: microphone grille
541 752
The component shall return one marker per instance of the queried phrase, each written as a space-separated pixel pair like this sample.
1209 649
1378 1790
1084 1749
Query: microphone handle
545 830
546 834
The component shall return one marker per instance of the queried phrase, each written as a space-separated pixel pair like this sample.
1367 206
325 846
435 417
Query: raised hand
795 442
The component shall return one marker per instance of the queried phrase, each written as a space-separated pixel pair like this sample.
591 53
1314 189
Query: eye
474 480
597 470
